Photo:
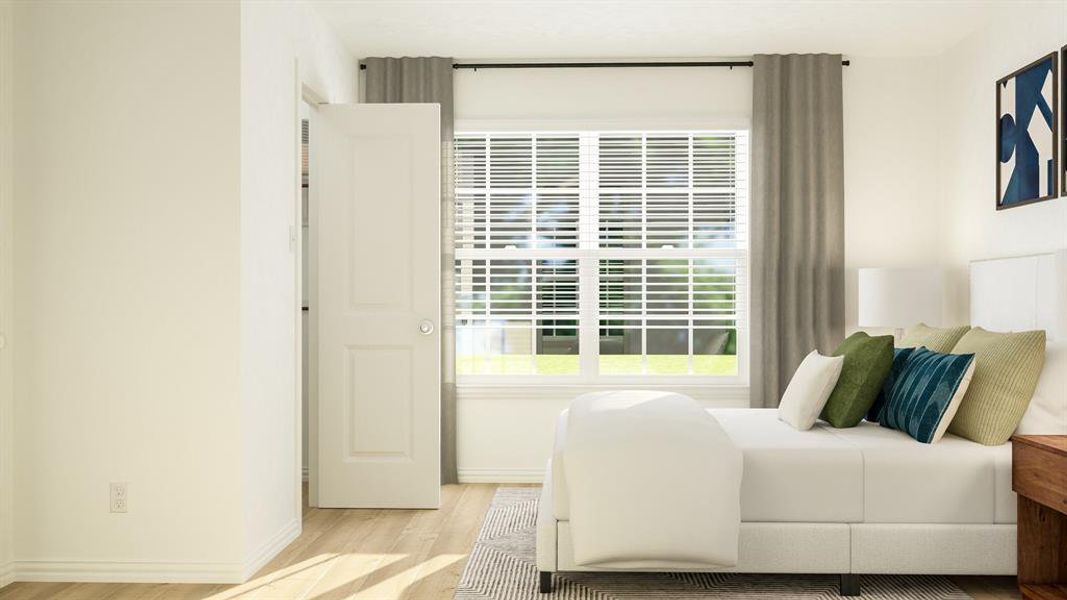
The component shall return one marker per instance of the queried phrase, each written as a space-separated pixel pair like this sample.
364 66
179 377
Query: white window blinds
601 253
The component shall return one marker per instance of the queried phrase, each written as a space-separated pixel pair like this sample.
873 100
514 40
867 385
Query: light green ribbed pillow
1007 366
934 338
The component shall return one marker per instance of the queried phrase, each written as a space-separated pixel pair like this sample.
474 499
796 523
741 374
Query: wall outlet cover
119 497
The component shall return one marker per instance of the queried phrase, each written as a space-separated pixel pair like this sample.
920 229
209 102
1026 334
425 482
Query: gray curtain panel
430 80
798 224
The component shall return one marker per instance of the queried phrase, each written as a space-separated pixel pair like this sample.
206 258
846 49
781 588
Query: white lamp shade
900 297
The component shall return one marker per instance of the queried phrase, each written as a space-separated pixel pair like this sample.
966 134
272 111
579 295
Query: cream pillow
936 339
809 389
1047 413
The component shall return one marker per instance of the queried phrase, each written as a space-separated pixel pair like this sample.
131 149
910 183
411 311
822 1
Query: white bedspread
651 477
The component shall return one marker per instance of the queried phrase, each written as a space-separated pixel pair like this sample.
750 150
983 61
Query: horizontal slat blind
676 191
517 191
669 288
659 217
523 289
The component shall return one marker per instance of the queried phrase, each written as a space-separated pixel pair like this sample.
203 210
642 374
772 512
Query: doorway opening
307 323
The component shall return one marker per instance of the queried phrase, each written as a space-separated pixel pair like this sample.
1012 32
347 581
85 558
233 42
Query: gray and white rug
502 567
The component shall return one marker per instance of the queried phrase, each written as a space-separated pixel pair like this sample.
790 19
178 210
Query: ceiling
543 29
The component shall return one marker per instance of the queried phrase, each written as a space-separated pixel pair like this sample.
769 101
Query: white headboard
1022 293
1029 292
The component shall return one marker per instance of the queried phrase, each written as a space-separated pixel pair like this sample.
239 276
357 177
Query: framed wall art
1027 139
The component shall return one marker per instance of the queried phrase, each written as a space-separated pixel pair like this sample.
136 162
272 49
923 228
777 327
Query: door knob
426 327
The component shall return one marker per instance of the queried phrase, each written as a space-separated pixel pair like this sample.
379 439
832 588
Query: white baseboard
149 572
501 475
7 574
271 549
126 572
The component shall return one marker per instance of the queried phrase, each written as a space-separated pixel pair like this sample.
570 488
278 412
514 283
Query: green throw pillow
1006 369
867 364
934 338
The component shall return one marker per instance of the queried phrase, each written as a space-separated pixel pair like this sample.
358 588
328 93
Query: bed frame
1005 294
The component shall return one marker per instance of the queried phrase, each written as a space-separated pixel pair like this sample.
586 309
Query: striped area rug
502 567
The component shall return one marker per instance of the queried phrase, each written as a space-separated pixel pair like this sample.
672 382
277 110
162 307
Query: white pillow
809 389
1047 413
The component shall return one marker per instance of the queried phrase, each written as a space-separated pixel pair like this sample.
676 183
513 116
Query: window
598 254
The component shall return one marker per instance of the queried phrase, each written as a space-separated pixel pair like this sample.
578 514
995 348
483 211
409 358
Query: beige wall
127 285
592 98
889 179
7 431
155 283
274 37
892 208
919 139
504 433
971 227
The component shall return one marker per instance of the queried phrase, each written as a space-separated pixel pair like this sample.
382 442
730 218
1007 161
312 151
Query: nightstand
1039 477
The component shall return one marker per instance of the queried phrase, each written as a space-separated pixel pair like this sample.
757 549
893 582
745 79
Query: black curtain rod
613 65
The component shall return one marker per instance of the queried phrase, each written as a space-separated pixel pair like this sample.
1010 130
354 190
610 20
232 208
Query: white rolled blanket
651 477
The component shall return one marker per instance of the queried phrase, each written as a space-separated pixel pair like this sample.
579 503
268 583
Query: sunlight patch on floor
394 586
298 580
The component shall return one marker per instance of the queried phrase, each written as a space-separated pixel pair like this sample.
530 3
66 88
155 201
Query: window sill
718 394
602 381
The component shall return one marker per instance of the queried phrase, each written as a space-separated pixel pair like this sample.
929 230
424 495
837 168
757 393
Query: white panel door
376 206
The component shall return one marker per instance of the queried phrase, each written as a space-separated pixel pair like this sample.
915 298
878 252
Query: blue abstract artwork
1026 134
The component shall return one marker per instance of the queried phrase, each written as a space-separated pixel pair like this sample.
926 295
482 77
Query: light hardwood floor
365 555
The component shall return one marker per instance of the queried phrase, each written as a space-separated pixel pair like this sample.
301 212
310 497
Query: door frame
305 93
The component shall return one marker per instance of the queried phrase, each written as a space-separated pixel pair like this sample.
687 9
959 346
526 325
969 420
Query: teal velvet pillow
927 393
900 357
867 364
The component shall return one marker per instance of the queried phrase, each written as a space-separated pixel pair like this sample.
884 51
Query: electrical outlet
118 496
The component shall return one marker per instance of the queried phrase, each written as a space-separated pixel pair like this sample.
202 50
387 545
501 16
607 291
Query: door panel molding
377 182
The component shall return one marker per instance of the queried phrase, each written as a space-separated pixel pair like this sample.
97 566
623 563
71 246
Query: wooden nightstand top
1052 443
1039 469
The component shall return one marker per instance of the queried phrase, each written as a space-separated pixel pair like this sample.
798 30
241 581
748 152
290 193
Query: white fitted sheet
865 474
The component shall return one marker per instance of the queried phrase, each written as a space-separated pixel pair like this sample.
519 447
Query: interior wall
636 98
503 433
276 39
971 227
892 205
126 286
7 430
506 434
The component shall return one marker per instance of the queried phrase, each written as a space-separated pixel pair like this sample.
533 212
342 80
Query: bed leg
545 578
850 584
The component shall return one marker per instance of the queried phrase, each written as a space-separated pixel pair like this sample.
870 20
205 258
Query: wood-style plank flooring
365 555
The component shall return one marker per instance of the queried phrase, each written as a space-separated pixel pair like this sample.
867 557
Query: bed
869 500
